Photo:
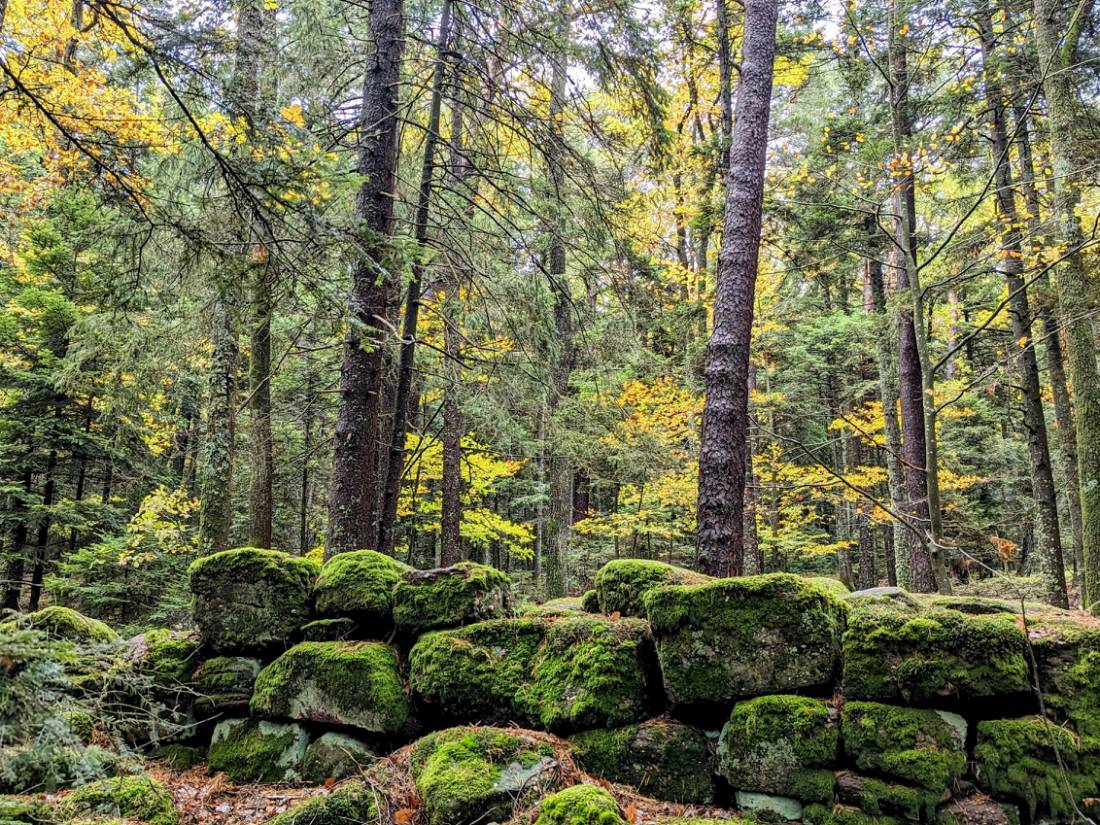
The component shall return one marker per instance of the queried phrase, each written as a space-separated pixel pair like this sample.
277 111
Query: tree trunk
1073 282
13 587
720 534
395 466
354 486
43 545
218 452
1034 422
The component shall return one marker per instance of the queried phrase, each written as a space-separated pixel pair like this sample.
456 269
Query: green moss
1068 656
753 635
24 809
468 775
661 758
139 798
250 599
842 815
566 606
905 656
1018 758
769 743
329 630
168 655
912 745
66 624
26 769
450 596
252 750
880 798
360 584
343 683
224 683
334 756
350 803
590 601
580 805
621 584
834 586
80 722
472 674
181 757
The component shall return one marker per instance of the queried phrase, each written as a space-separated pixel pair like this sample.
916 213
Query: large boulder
66 624
450 596
877 797
621 584
350 803
580 805
224 684
921 747
130 798
255 750
662 758
360 585
784 745
560 674
249 599
472 775
1022 759
734 638
357 684
335 756
894 653
1067 652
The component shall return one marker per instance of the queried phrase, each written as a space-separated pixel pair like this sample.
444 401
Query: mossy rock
471 775
922 747
467 592
181 757
1068 655
168 656
329 630
66 624
590 601
224 684
250 599
621 584
580 805
565 673
901 655
784 745
255 750
24 809
565 606
878 797
350 803
1018 758
834 586
661 758
25 769
734 638
357 684
335 756
360 585
977 809
769 807
136 798
843 815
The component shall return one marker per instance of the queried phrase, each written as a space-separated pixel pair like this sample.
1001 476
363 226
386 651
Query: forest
561 412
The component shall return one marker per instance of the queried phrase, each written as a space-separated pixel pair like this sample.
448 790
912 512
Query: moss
842 815
344 683
329 630
350 803
26 769
80 722
24 809
748 636
468 775
834 586
661 758
769 743
1018 758
224 683
181 757
66 624
881 798
472 674
909 744
252 750
904 656
566 606
334 756
590 601
1068 656
139 798
167 655
621 584
360 584
250 599
580 805
450 596
589 671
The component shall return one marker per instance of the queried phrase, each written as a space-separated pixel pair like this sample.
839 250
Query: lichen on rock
255 750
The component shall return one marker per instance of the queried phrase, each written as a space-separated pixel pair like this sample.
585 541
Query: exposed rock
224 684
734 638
661 758
335 756
330 630
344 683
250 599
784 745
254 750
450 596
621 584
360 585
580 805
132 798
1068 655
767 806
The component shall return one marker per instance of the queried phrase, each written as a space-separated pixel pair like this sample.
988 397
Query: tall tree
725 430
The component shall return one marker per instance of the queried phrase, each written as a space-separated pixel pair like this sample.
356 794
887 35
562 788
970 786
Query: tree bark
42 547
354 486
13 587
725 431
218 452
1034 421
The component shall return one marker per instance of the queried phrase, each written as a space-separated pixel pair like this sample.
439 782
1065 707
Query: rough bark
42 546
354 485
13 586
219 448
1012 265
725 431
